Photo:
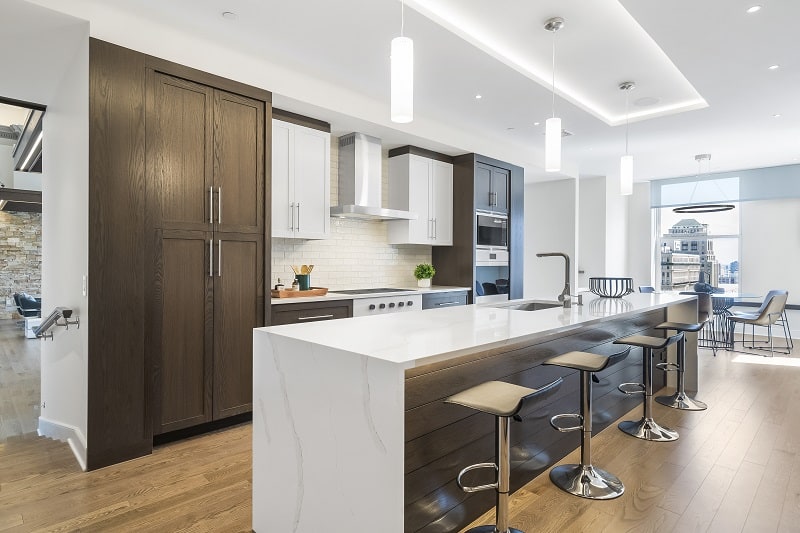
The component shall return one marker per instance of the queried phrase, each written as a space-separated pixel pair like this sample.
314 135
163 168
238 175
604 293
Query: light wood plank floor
735 468
19 381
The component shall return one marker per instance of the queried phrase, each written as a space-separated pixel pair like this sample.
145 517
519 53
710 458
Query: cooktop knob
410 303
391 305
383 306
401 304
371 307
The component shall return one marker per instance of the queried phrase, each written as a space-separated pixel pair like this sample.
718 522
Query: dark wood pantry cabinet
206 174
178 242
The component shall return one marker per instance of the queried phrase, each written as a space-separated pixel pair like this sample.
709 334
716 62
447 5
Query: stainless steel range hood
360 181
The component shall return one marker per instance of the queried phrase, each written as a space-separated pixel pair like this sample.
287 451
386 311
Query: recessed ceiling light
511 128
478 97
536 123
774 67
230 15
776 115
645 101
753 9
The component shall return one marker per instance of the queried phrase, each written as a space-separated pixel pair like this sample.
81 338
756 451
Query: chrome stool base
587 482
648 429
492 529
680 400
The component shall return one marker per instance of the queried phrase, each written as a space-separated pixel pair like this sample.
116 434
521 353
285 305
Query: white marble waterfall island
349 430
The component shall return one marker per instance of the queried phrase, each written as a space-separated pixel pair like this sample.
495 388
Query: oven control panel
386 304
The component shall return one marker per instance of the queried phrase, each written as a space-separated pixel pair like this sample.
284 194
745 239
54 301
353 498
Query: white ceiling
683 54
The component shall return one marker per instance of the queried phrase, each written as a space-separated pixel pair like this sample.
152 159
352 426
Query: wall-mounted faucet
565 297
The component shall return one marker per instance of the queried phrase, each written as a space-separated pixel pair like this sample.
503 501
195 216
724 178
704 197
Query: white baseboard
65 433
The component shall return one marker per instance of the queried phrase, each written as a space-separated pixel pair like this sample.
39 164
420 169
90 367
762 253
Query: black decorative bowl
611 287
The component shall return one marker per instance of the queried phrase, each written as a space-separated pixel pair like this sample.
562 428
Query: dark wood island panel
441 439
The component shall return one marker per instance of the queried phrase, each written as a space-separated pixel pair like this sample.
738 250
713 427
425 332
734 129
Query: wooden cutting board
289 293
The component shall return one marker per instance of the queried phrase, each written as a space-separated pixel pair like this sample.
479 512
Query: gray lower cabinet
444 299
311 312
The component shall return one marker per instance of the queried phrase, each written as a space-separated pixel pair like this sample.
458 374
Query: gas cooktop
381 290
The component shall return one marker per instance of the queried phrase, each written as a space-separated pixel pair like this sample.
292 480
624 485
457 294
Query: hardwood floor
20 379
735 468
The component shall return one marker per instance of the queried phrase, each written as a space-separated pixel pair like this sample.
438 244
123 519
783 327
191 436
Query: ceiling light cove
585 72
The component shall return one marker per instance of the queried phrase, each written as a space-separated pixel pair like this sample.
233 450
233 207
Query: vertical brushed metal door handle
291 216
211 258
211 205
219 259
298 216
219 205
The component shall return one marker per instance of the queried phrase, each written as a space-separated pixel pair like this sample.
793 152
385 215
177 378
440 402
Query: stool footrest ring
573 416
631 388
668 367
479 487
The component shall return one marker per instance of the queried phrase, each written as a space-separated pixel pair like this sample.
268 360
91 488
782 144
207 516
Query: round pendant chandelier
703 208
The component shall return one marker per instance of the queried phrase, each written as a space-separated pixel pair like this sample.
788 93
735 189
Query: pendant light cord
554 74
402 16
626 120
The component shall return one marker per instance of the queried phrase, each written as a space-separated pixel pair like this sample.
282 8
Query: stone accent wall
20 257
357 255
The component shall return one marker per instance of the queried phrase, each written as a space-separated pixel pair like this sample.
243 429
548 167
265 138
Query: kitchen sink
533 305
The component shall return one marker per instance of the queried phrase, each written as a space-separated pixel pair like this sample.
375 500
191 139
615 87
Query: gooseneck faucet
565 296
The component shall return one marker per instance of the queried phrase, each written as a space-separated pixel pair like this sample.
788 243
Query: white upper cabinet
301 176
423 186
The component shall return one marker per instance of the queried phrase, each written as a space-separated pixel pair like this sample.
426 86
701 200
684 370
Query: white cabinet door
282 183
425 187
312 183
300 182
442 203
420 231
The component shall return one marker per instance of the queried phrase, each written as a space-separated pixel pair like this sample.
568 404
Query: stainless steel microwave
492 230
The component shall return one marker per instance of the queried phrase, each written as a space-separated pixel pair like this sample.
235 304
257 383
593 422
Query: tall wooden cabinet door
442 198
238 163
179 134
183 334
312 177
283 213
238 308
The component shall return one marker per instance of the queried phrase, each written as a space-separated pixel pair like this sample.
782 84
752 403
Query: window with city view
699 247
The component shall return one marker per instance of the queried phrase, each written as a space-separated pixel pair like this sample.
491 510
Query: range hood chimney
360 180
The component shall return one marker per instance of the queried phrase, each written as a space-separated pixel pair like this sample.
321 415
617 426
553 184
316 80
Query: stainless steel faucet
565 297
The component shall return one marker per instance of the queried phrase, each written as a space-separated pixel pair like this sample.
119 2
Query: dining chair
771 311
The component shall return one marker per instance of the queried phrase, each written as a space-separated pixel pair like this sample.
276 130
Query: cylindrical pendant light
626 161
402 72
552 130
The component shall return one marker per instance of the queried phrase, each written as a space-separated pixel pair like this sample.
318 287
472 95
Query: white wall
640 249
591 230
770 247
50 62
550 226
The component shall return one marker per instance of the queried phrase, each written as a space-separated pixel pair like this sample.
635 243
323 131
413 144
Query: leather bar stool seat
504 401
680 400
584 479
647 428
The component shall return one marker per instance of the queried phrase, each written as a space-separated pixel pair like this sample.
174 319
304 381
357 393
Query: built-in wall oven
492 231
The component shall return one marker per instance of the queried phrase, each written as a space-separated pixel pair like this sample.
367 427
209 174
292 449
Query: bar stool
584 479
647 428
504 401
680 400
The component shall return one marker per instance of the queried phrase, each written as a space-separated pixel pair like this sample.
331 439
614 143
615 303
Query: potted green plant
424 272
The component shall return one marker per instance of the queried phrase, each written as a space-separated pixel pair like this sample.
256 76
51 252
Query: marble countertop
427 336
333 295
